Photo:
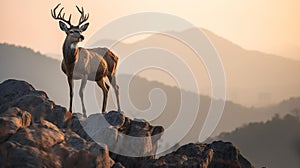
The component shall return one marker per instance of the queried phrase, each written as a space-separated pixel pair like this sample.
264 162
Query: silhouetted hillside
287 106
274 143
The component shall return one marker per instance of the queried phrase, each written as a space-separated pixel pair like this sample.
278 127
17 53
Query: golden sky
267 25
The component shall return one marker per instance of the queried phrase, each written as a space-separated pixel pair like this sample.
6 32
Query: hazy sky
265 25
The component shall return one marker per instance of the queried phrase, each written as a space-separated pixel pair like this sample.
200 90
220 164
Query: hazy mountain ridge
271 77
281 108
253 78
40 70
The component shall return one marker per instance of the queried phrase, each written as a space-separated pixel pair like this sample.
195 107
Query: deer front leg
81 90
102 84
71 85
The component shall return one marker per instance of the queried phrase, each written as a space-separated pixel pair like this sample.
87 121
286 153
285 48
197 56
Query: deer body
86 64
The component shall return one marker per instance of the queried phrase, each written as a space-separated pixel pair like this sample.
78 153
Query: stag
85 64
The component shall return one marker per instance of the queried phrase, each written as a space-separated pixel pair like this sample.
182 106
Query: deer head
73 32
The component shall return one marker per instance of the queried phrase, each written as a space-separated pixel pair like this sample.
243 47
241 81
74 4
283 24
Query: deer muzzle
81 38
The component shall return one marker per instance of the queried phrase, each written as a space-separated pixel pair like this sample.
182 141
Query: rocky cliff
35 132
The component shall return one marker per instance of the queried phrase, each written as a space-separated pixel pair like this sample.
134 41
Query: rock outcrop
215 155
130 142
14 93
25 143
35 132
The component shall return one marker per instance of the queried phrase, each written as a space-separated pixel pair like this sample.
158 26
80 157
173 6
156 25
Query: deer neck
70 52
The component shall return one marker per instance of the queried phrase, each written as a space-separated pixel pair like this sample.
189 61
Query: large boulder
130 142
15 93
218 154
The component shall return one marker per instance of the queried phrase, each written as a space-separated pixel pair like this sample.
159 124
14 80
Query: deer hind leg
113 82
103 85
81 90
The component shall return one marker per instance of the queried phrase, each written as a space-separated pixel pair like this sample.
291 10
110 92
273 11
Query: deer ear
84 27
63 26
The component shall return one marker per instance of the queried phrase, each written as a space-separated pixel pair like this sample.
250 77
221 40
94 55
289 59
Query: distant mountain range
253 78
45 74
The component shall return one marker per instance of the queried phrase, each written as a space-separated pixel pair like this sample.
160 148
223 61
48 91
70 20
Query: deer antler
59 16
83 18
